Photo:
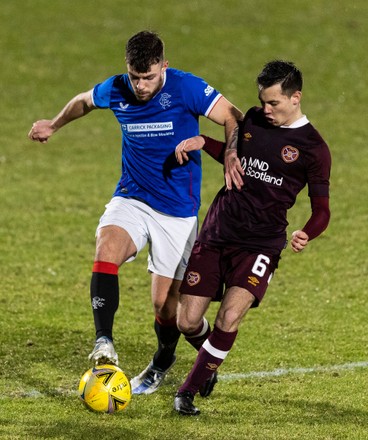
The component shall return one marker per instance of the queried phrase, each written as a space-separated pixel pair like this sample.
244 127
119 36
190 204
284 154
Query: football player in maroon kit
243 234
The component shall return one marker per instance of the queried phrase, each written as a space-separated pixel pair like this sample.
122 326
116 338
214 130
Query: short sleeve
101 95
199 96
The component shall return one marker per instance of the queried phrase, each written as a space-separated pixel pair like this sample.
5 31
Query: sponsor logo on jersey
208 90
165 100
258 169
123 106
193 278
253 280
148 126
289 153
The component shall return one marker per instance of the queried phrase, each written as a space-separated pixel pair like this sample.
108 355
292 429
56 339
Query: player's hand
299 240
191 144
233 170
41 131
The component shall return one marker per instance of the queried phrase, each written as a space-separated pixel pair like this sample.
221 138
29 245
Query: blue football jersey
150 133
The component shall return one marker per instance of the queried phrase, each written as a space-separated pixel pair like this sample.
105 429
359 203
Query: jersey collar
298 123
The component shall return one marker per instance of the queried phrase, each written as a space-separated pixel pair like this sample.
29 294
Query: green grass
314 314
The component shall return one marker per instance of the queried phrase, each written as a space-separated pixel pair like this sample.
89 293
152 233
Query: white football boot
150 379
104 352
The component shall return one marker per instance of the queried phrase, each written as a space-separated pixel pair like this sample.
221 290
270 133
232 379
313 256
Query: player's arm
226 114
214 148
317 223
223 113
77 107
211 146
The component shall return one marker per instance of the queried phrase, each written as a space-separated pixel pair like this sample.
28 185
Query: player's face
146 85
280 109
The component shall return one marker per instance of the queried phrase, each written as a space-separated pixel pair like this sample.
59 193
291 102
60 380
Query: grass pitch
298 369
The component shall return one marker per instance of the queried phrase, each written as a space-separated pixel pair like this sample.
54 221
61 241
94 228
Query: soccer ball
105 388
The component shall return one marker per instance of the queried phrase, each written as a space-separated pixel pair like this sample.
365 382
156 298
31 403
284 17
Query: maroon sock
197 338
211 355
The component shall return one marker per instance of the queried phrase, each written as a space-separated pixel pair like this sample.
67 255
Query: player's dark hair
280 72
144 49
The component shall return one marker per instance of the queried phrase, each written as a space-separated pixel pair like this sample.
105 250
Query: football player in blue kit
156 201
278 153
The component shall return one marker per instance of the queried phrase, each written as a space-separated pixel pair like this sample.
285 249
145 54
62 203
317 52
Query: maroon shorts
211 269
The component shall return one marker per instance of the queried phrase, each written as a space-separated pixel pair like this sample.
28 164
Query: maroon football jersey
278 163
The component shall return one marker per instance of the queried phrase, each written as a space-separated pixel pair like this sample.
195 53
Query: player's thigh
165 295
114 244
234 306
190 312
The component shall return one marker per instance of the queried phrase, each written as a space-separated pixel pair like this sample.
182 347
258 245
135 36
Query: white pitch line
286 371
234 376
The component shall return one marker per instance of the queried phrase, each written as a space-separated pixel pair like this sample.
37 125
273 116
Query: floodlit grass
312 325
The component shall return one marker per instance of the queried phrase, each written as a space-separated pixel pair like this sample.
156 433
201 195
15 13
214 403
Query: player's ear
165 65
296 97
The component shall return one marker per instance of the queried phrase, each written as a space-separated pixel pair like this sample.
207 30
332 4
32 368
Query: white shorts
170 238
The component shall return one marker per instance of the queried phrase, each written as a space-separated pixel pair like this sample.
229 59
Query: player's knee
228 321
165 310
161 311
186 326
114 245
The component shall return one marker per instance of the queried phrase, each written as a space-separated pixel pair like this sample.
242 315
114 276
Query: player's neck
294 118
303 120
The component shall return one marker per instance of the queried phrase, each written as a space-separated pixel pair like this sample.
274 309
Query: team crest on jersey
165 100
193 278
289 154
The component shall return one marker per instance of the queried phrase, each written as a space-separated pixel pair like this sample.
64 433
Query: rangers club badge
193 278
289 154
